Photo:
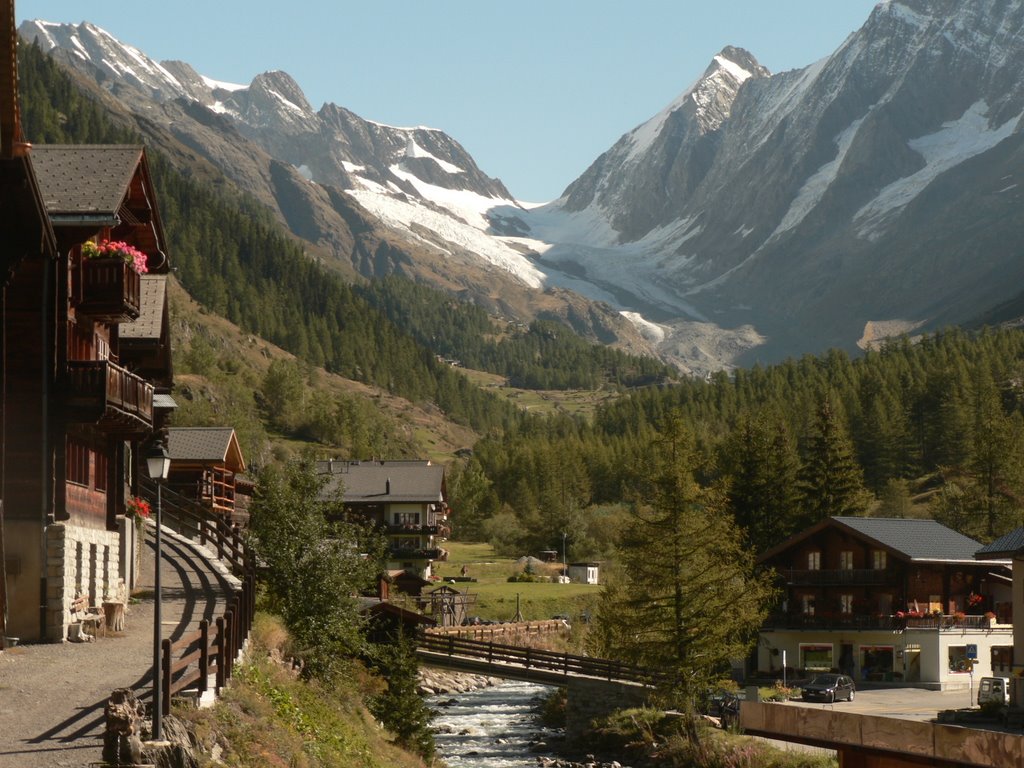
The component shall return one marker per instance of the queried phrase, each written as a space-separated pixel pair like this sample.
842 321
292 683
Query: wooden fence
209 652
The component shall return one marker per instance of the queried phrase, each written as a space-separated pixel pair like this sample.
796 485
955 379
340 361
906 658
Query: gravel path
52 696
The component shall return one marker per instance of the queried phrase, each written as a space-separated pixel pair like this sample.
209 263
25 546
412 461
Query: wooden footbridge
531 665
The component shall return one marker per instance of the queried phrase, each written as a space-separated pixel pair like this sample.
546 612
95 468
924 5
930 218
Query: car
829 688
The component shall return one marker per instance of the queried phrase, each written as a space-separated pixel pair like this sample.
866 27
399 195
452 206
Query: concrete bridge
595 687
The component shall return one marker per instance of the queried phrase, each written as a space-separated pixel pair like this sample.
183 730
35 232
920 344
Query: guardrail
189 662
566 664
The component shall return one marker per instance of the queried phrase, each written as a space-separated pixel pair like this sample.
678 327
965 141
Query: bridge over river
595 686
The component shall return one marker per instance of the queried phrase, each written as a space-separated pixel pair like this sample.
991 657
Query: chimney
387 486
11 143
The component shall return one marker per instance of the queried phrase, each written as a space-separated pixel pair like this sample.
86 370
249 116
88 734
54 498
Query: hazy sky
535 90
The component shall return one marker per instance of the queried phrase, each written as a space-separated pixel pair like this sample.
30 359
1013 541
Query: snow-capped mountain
757 215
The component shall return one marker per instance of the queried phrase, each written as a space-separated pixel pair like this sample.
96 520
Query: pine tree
831 482
689 600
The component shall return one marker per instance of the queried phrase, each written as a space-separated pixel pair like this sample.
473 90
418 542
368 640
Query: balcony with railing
110 291
412 528
100 392
837 577
897 622
415 553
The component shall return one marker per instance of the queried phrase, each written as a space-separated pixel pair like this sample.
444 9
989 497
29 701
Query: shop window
846 560
817 657
1002 660
958 659
814 561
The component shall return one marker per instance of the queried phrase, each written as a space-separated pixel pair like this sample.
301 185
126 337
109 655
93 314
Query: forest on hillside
934 428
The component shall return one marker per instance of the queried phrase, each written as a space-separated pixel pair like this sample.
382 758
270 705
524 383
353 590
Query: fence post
165 663
229 643
204 655
527 657
222 655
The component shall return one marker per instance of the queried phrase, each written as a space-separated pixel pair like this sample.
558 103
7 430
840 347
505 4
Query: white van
994 689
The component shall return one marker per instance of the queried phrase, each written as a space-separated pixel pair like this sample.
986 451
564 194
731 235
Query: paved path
52 696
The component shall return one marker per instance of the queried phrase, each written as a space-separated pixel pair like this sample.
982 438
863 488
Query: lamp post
565 569
158 463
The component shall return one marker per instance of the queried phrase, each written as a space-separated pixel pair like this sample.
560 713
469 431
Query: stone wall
589 698
79 560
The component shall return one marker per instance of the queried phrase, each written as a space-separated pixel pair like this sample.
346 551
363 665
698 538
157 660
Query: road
902 703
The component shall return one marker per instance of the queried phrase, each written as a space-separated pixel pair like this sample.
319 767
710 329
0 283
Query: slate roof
916 540
384 481
84 179
201 444
151 310
1004 547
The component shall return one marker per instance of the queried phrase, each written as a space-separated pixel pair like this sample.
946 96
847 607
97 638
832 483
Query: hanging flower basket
107 249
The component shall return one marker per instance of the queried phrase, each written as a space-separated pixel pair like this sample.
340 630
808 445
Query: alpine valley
757 216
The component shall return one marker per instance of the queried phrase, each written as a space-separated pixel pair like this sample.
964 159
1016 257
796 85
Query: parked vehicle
994 689
829 688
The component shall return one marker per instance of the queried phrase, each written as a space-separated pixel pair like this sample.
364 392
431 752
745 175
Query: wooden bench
83 616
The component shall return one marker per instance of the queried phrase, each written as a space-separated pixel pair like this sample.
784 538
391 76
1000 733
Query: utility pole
565 569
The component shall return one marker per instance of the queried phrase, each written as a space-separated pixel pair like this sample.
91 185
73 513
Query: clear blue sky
535 90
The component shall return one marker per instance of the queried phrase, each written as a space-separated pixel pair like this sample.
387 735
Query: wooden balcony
418 553
110 291
116 401
841 577
410 528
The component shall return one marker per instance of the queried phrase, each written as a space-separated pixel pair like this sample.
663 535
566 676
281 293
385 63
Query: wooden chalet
206 463
408 500
77 408
887 599
28 245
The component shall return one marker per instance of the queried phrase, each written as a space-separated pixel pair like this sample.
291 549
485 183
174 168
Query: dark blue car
829 688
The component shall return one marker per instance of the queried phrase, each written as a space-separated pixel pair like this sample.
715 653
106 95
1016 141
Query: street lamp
565 570
159 464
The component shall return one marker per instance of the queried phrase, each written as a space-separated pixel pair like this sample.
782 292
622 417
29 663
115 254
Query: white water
479 719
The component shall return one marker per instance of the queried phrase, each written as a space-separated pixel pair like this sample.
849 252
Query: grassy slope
496 596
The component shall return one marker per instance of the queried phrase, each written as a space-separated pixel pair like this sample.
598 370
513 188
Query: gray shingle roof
199 443
1003 547
384 481
84 179
917 539
151 310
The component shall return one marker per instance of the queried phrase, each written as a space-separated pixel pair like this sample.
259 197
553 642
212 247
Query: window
814 561
958 661
1002 660
807 603
878 560
100 481
846 560
77 463
817 657
846 603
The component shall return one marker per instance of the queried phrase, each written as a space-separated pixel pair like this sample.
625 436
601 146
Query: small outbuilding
584 573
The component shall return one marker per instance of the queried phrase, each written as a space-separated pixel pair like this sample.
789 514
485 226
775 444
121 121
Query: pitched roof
85 179
920 540
151 310
1004 547
384 481
205 445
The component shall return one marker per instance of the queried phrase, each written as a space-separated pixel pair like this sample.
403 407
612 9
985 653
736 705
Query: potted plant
136 509
116 249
